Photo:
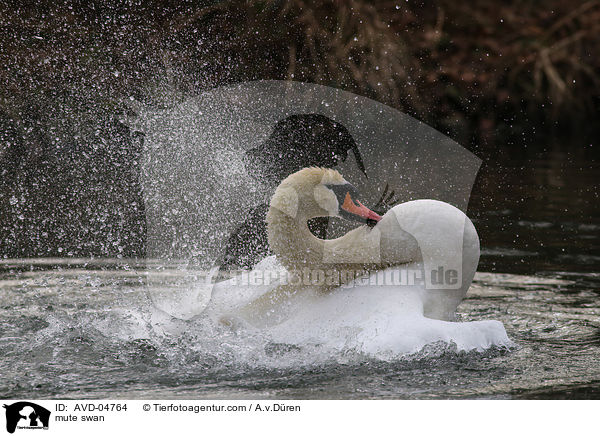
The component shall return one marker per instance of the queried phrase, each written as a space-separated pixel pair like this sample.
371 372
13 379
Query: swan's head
314 192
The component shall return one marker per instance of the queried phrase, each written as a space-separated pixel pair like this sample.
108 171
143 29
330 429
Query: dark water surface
72 328
539 213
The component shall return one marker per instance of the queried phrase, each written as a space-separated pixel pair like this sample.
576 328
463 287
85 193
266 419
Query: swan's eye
350 208
341 191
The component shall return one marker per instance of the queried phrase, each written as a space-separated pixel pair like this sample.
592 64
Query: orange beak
360 210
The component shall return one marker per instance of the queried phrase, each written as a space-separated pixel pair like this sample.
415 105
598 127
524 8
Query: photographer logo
26 415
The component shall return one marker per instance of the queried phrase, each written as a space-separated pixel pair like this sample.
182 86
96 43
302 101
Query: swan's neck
297 248
292 241
361 249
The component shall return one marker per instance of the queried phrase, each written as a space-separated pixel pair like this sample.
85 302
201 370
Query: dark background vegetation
515 80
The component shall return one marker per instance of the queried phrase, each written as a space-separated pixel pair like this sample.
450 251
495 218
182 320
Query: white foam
380 321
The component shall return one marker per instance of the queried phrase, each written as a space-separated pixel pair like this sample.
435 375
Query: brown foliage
482 61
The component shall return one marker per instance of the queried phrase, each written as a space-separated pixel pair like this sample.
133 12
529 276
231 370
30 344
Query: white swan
431 241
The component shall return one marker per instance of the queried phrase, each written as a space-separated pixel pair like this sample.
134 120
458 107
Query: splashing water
88 329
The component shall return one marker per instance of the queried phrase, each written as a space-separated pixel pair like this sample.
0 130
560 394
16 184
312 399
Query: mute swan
427 237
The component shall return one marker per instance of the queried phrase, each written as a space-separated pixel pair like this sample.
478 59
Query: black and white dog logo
26 415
